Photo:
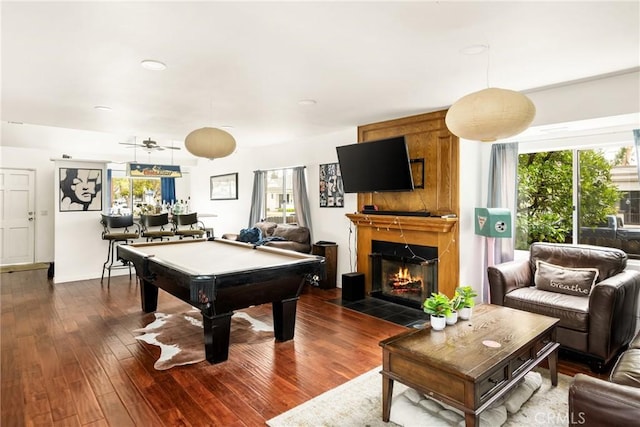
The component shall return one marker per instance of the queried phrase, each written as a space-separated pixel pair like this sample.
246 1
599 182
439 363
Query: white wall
79 251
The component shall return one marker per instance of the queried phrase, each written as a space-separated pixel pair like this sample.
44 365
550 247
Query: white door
17 216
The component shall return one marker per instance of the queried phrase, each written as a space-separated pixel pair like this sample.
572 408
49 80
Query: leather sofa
283 236
600 321
616 402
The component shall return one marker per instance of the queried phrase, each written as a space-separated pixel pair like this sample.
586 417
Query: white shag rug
358 403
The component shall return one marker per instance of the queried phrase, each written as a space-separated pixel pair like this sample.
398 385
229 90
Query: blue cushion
250 235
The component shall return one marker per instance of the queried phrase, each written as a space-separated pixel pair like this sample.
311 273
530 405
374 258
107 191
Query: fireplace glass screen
405 280
404 276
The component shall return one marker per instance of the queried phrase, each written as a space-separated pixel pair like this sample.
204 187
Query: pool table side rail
201 290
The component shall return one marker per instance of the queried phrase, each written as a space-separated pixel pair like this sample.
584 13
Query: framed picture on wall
224 187
80 189
331 189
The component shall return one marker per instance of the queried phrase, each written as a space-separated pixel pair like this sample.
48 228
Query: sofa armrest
508 276
594 402
612 312
290 245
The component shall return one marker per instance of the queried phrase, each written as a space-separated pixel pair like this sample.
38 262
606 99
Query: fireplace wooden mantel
428 139
406 223
437 232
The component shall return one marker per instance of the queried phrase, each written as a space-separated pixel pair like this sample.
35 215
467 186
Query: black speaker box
352 286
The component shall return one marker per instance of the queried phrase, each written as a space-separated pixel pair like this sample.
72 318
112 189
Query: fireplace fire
405 274
403 281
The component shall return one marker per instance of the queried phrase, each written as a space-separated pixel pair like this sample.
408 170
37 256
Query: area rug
24 267
359 403
181 339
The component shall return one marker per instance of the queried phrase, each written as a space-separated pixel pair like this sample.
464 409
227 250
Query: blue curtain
168 189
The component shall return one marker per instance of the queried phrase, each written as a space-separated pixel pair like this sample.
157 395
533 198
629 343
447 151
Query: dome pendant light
210 143
490 114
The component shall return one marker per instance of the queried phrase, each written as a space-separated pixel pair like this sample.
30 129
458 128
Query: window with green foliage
133 194
587 196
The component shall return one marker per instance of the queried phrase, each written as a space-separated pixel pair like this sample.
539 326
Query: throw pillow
565 280
250 235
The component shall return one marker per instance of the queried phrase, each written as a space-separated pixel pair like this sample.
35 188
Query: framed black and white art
331 189
80 189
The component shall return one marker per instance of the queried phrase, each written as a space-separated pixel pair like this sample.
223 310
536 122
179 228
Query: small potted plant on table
466 294
438 306
456 303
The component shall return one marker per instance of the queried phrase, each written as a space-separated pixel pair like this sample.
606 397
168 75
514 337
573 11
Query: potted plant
456 304
438 306
467 294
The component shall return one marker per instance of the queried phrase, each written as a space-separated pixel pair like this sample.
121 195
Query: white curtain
257 197
503 193
636 137
300 198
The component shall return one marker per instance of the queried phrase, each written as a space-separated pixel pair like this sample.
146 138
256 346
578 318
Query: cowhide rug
181 339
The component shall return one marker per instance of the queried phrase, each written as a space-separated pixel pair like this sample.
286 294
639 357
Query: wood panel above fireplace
427 138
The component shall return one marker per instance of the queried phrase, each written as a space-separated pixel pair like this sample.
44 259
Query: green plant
437 305
467 294
545 194
457 302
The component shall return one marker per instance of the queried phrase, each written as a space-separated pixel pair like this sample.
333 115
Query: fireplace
403 273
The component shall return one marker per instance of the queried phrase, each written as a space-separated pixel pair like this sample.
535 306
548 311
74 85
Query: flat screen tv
376 166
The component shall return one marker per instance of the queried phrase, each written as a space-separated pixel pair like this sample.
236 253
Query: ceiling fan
150 145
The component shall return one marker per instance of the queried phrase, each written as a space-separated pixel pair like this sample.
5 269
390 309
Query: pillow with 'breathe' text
565 280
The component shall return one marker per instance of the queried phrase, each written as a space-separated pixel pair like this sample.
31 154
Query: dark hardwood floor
69 358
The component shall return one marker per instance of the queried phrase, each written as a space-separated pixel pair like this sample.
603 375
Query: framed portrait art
224 187
80 189
331 189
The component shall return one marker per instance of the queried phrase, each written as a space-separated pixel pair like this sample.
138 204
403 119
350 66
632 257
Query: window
279 205
134 195
589 196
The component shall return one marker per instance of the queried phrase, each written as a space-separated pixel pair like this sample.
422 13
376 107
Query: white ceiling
248 64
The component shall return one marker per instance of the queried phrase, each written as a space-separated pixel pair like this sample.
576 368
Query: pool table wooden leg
148 296
216 336
284 318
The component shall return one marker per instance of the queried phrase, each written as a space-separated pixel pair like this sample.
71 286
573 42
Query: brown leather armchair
600 322
616 402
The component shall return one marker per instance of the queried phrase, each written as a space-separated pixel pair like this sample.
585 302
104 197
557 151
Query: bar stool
153 226
116 230
187 225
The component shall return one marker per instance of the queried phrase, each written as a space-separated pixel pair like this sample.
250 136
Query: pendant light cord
488 59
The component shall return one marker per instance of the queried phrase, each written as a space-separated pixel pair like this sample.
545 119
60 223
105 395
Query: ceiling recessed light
103 108
226 127
307 102
153 65
474 49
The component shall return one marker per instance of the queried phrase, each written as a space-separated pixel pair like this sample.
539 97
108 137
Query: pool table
219 276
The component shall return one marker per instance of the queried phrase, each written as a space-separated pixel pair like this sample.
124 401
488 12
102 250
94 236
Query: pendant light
210 143
490 114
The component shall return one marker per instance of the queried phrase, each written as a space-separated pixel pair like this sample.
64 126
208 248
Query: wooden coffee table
473 363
